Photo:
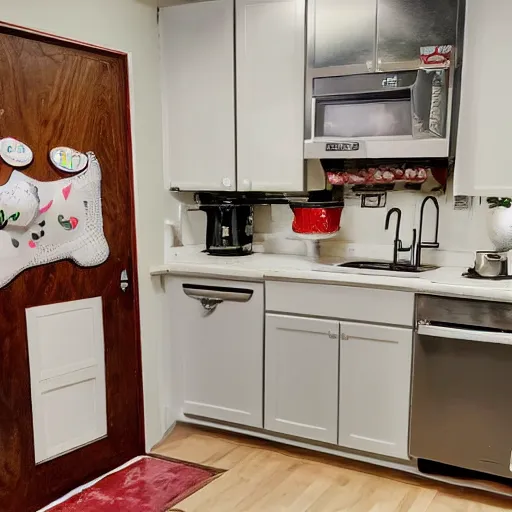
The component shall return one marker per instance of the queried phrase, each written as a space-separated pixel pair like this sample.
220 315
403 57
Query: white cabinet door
301 377
197 52
485 130
219 328
375 373
270 41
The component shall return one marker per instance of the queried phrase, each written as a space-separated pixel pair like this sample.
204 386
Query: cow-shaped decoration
44 222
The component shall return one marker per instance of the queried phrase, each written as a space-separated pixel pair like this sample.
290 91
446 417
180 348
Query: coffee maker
229 227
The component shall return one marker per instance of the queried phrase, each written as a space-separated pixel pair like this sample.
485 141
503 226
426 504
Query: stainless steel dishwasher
461 411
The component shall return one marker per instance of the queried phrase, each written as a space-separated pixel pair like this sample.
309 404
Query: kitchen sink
386 266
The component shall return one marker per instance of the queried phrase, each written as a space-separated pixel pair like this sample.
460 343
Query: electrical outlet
462 202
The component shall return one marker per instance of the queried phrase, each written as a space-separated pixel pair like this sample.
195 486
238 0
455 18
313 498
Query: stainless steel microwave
406 114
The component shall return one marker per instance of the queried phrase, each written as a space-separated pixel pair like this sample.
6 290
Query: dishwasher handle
455 333
211 296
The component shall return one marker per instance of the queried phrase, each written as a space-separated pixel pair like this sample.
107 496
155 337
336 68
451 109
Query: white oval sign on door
15 152
68 159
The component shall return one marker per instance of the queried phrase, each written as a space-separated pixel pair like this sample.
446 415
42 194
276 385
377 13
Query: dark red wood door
58 93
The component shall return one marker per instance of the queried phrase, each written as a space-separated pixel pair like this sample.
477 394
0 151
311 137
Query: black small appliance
229 228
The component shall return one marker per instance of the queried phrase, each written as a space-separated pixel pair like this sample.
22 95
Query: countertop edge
412 285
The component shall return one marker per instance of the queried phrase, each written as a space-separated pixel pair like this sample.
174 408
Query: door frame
126 60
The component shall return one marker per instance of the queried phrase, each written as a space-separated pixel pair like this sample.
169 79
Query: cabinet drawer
343 302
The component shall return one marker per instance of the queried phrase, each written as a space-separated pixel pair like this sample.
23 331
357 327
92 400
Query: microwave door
361 117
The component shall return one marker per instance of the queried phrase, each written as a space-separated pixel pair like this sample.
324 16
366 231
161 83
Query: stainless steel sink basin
386 266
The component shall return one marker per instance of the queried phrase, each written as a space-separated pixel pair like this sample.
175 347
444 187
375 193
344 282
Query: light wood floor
265 477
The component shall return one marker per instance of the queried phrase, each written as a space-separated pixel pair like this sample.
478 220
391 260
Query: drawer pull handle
217 293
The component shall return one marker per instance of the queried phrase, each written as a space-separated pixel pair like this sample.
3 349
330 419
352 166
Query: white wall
129 26
460 232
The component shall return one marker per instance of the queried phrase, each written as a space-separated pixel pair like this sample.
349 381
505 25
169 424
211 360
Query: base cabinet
375 375
339 382
301 377
219 327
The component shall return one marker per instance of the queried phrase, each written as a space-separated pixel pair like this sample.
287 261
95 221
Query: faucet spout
427 245
397 244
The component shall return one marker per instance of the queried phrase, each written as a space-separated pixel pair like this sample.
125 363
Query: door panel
404 26
221 347
484 130
375 373
56 93
198 56
344 33
301 377
270 44
67 375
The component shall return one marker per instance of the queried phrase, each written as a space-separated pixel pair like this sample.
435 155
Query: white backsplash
362 232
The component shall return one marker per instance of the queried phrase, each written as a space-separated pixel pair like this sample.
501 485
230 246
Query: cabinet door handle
333 335
344 336
217 293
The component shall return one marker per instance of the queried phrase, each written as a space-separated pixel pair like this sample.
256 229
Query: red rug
147 485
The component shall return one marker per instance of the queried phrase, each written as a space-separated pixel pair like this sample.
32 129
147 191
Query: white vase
499 228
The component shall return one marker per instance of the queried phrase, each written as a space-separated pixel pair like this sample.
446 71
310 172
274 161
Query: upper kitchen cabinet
404 26
270 40
197 48
342 33
485 129
225 139
365 36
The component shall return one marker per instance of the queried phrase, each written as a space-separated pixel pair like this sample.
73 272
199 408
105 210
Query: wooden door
270 42
375 383
221 349
55 93
301 377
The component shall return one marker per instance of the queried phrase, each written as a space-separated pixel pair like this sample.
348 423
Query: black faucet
397 243
427 245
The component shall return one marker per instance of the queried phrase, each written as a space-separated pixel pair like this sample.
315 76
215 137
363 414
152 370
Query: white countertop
190 260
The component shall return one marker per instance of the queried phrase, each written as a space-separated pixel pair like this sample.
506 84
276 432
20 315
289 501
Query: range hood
380 78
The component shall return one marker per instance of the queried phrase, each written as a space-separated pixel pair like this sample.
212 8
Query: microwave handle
501 338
